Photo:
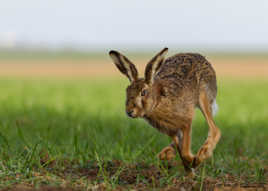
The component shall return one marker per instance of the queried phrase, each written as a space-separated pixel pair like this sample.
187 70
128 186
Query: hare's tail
214 107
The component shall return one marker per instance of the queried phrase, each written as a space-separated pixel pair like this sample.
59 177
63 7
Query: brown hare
167 96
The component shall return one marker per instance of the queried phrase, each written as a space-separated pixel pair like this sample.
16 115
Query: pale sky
239 24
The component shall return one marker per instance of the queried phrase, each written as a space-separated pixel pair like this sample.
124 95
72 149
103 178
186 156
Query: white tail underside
214 107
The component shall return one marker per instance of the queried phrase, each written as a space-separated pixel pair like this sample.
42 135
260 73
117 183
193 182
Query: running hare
167 96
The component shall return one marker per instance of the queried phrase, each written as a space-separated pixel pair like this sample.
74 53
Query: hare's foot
167 153
206 150
188 157
191 173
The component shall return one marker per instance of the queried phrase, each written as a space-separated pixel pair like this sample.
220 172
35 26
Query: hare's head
140 94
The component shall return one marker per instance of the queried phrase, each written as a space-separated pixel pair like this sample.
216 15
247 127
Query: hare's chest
162 124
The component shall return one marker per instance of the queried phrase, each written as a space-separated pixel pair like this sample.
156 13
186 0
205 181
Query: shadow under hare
167 96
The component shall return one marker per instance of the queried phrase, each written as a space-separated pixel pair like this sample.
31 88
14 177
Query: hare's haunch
167 96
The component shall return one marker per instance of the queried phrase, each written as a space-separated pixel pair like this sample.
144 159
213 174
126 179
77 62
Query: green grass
82 124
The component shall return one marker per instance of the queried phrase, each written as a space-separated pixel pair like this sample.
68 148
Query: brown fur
167 97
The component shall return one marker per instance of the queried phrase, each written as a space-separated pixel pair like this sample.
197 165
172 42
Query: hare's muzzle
130 113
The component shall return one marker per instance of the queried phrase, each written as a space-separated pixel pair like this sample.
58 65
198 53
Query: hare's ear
154 65
124 65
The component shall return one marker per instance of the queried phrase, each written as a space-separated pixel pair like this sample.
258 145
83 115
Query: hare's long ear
124 65
154 64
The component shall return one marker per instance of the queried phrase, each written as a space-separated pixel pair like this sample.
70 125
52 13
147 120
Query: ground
226 66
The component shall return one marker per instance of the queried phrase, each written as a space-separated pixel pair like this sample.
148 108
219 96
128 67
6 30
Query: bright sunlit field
76 133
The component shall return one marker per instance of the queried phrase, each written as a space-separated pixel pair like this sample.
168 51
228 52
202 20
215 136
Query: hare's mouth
131 113
134 113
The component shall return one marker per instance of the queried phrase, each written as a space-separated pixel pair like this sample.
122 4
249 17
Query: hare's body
187 73
167 97
181 78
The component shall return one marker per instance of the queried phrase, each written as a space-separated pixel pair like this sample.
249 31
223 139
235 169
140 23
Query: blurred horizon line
72 47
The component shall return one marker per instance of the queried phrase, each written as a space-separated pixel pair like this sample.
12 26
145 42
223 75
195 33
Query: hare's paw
167 153
205 152
188 157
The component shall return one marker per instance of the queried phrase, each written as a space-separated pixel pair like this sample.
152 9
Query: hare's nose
129 113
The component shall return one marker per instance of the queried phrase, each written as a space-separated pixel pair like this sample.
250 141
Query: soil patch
86 68
116 175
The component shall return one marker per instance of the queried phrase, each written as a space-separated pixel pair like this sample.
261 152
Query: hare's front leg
214 133
183 145
168 152
186 144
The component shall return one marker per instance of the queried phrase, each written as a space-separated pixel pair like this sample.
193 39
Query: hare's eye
144 92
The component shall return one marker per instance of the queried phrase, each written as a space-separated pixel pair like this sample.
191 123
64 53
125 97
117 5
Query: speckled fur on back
187 72
167 96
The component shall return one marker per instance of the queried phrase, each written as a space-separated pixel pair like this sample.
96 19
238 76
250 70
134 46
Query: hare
167 96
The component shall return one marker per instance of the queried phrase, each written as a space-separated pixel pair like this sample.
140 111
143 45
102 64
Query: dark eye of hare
144 92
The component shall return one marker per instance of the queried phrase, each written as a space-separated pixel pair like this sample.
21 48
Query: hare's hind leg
214 133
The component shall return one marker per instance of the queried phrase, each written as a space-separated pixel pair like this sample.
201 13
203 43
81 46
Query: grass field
75 134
